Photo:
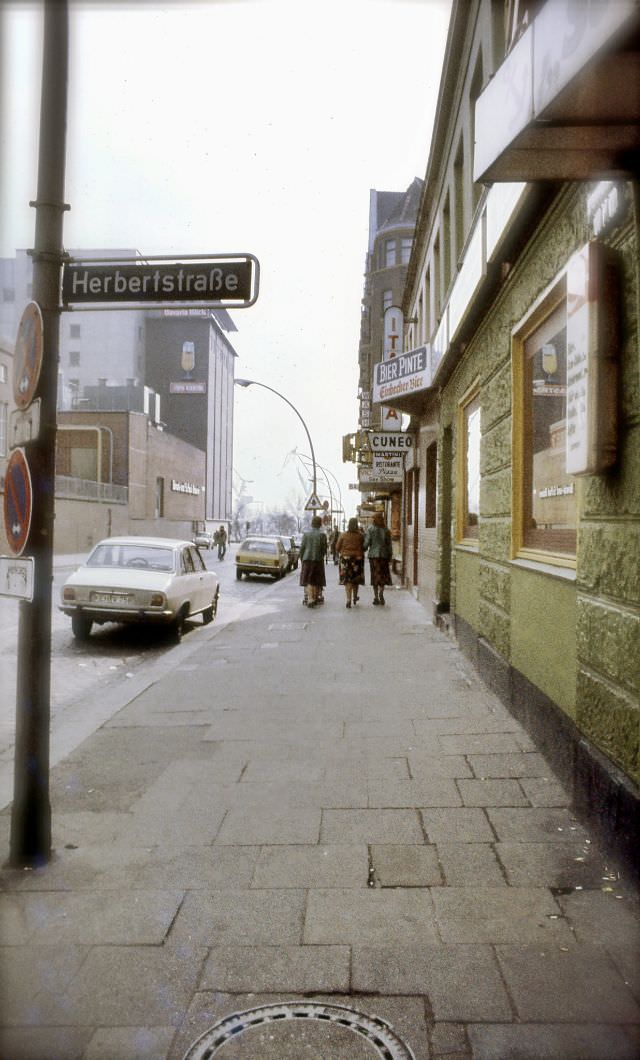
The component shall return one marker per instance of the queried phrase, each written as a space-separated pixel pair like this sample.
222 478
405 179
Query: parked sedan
156 580
203 539
290 548
293 550
262 555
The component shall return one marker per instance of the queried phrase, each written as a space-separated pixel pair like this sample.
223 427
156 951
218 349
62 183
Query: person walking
377 542
313 551
222 541
351 560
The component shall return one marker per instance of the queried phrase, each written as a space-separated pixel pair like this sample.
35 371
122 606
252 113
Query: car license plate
110 598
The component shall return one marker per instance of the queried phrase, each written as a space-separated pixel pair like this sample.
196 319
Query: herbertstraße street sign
223 281
16 576
401 375
390 441
18 501
27 359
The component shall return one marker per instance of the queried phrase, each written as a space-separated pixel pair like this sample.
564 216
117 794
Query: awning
565 103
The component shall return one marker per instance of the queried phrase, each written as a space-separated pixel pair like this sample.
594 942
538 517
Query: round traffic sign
27 360
18 498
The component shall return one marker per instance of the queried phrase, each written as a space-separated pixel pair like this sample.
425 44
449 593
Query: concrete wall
80 524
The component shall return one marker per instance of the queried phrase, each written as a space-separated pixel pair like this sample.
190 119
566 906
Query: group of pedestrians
349 548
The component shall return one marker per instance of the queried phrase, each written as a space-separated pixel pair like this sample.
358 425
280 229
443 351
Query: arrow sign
313 502
18 498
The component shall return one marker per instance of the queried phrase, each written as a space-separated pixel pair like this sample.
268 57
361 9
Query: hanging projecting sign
402 375
390 441
27 359
393 326
383 469
229 281
592 400
18 497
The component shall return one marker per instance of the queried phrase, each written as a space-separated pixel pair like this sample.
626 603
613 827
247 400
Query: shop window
431 470
469 467
545 508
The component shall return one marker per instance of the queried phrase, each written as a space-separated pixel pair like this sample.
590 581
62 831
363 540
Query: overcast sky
254 126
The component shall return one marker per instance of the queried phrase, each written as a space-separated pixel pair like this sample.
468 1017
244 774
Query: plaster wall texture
576 638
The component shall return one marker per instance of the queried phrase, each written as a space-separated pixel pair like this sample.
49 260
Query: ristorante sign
208 282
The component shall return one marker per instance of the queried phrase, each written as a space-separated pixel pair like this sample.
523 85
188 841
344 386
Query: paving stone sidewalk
317 806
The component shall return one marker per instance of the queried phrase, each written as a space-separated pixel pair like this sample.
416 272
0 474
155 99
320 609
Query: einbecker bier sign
229 281
401 375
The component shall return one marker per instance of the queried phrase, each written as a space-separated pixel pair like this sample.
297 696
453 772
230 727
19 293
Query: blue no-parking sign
18 501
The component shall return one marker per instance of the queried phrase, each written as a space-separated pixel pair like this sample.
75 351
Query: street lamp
340 511
253 382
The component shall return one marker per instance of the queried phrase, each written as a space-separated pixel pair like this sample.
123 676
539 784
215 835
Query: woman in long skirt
351 558
377 541
313 551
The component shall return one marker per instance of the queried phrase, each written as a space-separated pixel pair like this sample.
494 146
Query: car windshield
146 557
260 546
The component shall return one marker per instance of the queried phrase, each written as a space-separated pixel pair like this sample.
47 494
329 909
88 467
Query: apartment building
392 218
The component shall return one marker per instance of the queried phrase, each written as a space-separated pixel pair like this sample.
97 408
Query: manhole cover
294 1031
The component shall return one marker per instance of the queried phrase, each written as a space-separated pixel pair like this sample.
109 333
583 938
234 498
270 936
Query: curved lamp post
253 382
326 471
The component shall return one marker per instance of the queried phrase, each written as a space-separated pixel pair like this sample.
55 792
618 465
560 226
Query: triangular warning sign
313 502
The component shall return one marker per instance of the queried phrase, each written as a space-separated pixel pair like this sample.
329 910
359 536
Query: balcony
82 489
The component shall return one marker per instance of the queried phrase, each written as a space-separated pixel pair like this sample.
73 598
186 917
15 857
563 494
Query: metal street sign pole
31 810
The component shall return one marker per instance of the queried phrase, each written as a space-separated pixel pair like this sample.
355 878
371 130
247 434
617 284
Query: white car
156 580
203 539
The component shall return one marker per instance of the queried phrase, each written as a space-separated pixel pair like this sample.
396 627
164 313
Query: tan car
262 555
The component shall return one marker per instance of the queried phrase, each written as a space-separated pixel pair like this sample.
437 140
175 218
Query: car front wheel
81 626
210 612
177 628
